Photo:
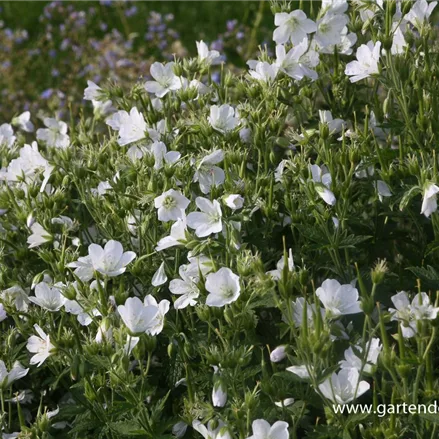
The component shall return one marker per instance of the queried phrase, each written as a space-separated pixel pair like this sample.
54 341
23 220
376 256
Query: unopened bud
278 354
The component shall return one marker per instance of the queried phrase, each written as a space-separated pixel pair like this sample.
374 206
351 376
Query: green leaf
430 417
352 241
127 428
412 192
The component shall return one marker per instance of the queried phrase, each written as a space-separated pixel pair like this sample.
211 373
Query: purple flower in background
216 77
52 53
64 44
22 36
46 94
131 11
217 45
231 25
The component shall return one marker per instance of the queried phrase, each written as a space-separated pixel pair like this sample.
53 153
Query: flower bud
219 394
37 279
379 271
278 354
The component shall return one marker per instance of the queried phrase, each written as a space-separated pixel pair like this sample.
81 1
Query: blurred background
48 50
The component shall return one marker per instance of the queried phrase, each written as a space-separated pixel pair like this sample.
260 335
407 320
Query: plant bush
232 259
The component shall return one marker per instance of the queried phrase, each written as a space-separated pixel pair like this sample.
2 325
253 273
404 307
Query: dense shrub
235 257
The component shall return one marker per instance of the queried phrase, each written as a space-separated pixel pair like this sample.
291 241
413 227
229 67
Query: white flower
278 354
351 360
83 268
161 155
105 332
171 205
298 61
40 346
156 326
117 119
206 55
293 26
403 313
324 180
17 372
207 174
84 318
92 92
429 202
179 429
301 371
334 6
23 122
28 166
329 29
264 71
55 135
3 314
219 394
368 57
178 233
363 171
102 189
344 46
420 12
47 297
422 309
263 430
234 201
383 189
24 397
223 287
409 313
159 277
223 118
39 236
207 221
186 288
277 274
338 299
211 433
344 387
334 125
196 265
132 127
130 344
102 108
399 43
165 79
19 296
367 13
297 307
137 317
285 403
7 135
110 260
